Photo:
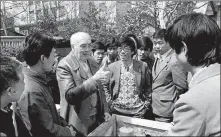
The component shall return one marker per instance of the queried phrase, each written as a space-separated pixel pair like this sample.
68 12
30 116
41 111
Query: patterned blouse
128 101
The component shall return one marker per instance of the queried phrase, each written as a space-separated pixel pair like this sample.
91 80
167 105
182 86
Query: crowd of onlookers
137 77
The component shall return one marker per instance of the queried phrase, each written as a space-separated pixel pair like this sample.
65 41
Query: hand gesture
103 74
107 116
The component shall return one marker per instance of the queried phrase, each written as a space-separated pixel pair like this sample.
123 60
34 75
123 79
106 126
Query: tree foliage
158 14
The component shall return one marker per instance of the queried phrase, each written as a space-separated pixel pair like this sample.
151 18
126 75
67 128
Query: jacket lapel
117 78
154 69
162 65
93 66
138 71
76 66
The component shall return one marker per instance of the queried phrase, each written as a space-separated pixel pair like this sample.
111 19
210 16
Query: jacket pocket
167 98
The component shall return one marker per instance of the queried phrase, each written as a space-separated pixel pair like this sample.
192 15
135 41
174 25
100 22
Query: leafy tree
158 14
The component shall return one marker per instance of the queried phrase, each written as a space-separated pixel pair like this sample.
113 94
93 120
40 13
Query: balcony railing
10 45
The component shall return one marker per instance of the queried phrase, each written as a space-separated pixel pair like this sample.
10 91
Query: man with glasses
130 84
83 102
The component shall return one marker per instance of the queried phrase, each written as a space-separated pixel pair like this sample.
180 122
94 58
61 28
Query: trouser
92 123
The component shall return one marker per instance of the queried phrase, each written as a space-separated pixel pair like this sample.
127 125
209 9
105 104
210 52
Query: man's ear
42 58
9 91
184 49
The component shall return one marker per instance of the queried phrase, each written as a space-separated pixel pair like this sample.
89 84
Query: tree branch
172 11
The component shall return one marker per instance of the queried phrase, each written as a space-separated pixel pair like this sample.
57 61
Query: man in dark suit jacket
197 47
83 102
169 79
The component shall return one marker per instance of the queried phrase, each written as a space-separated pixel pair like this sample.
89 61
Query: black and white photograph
110 68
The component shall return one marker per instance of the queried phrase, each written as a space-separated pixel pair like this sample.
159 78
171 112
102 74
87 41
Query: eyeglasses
126 49
86 47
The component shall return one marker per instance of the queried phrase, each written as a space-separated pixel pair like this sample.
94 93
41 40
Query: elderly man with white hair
83 103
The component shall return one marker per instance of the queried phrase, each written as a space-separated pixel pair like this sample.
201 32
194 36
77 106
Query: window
39 14
38 2
61 11
31 16
45 12
54 11
25 32
30 3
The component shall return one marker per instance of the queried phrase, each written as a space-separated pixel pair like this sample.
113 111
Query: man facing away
196 39
36 104
83 101
169 79
11 88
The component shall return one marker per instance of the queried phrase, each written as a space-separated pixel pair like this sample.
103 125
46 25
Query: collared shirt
128 101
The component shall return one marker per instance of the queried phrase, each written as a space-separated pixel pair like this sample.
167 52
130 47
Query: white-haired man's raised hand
103 74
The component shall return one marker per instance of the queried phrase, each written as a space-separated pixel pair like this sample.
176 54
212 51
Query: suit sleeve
179 78
68 89
108 88
103 97
188 121
42 120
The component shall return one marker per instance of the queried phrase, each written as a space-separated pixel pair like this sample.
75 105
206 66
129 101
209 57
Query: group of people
144 78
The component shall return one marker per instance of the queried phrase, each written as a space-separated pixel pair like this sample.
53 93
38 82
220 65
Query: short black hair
37 44
160 34
93 40
62 43
126 40
146 43
201 35
98 45
8 72
135 39
112 42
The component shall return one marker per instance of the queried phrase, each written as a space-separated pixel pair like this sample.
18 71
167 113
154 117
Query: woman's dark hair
37 44
8 72
201 35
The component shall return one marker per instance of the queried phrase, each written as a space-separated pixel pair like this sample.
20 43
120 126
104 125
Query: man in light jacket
196 39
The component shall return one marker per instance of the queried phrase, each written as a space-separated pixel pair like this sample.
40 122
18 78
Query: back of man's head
200 34
79 38
8 72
